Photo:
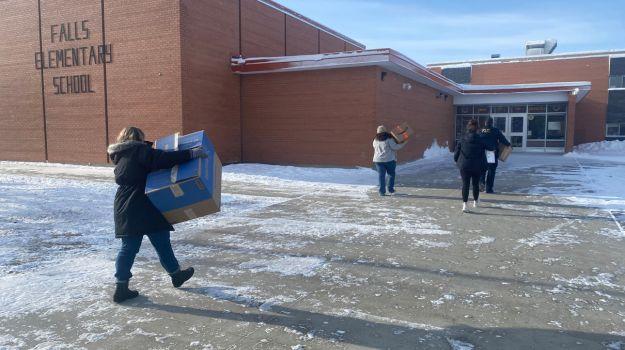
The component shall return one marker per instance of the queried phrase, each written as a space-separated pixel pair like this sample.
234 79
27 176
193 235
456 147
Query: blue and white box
190 190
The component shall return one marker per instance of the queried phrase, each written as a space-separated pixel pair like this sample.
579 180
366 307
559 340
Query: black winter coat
470 153
492 138
134 212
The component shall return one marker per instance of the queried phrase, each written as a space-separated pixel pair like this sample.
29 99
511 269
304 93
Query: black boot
180 277
122 292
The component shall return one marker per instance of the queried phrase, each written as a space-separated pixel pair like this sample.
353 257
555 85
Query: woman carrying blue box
135 216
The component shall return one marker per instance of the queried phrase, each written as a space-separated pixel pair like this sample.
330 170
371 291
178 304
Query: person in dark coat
135 216
493 137
470 156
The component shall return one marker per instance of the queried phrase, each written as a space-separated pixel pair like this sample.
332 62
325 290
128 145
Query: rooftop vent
540 47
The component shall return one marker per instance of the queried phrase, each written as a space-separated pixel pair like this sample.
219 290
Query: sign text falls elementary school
72 57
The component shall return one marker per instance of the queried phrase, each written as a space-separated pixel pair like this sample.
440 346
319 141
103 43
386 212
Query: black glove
198 153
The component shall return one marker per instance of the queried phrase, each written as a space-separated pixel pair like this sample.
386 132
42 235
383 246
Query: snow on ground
286 265
460 345
310 177
56 229
588 181
613 151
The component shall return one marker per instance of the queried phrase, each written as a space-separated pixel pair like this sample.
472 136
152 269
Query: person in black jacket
492 137
470 157
134 214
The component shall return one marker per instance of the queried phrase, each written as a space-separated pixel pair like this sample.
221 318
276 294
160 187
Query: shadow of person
335 328
377 332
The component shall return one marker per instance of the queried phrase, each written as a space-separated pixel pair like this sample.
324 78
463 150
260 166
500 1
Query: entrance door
517 126
513 126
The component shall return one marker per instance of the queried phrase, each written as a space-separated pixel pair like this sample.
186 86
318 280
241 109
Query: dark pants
473 177
130 248
488 177
383 169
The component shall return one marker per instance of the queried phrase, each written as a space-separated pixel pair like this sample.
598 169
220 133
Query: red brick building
599 116
73 73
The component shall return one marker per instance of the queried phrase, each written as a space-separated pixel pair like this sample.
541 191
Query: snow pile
605 150
436 151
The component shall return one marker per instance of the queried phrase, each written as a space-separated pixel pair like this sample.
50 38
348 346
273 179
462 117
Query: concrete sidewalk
352 270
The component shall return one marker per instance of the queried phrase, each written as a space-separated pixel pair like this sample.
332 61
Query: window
612 130
536 127
556 108
465 110
556 127
518 109
482 109
617 81
537 108
500 123
615 130
500 109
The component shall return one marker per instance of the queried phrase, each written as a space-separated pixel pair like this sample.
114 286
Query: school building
269 85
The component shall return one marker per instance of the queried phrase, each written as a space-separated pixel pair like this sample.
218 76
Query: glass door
517 124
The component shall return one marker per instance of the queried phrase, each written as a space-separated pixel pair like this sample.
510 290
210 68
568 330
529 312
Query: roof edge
559 56
395 61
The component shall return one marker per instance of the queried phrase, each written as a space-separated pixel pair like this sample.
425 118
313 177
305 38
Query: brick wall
169 72
301 38
144 87
351 47
21 111
75 122
262 30
431 118
211 93
590 112
329 43
317 117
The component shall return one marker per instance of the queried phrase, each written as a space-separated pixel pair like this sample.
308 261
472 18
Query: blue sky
447 30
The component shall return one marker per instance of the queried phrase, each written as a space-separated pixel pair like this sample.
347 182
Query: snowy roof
559 56
287 11
393 61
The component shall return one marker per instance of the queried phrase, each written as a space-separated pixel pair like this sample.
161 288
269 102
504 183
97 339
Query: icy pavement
305 258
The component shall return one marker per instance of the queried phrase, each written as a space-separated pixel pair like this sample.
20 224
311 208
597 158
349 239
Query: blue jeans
130 248
383 169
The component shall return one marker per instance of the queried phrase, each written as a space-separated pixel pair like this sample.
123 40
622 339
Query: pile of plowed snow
605 150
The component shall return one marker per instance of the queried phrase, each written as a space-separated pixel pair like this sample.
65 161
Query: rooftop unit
540 47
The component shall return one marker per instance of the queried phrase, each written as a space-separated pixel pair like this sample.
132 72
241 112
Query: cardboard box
504 152
190 190
402 132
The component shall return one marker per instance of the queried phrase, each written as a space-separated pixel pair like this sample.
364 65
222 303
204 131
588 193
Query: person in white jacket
385 148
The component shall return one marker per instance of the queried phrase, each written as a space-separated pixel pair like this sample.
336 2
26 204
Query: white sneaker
476 203
464 208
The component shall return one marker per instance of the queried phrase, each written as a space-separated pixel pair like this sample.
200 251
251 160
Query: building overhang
523 93
396 62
